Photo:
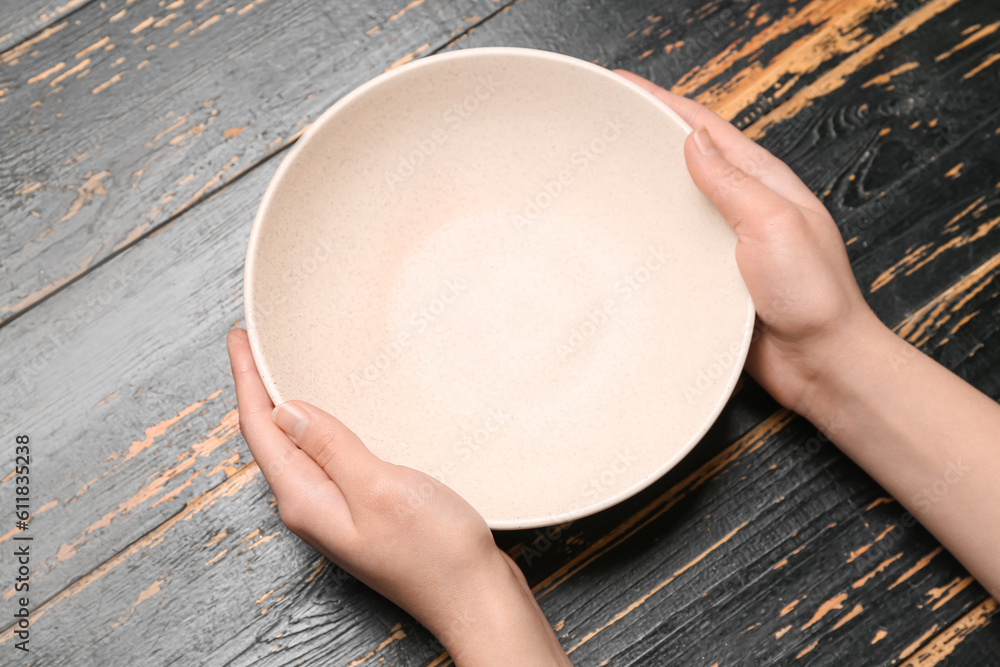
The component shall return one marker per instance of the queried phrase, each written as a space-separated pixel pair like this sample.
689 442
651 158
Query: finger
289 471
333 446
742 200
736 146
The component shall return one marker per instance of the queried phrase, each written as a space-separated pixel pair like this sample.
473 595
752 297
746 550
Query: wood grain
949 644
766 545
23 19
134 111
196 239
145 129
207 541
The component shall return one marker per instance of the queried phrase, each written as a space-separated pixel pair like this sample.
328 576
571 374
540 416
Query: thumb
332 445
741 198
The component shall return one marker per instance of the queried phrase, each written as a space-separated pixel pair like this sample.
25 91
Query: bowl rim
329 116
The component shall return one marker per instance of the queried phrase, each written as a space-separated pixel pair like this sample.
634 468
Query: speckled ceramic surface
494 267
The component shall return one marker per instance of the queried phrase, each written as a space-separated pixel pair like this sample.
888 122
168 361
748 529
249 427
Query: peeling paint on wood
761 569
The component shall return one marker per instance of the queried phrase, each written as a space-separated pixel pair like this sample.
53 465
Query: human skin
819 350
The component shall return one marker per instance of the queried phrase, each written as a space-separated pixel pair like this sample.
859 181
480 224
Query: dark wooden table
137 139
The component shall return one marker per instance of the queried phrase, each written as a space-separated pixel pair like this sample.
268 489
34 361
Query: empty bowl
493 266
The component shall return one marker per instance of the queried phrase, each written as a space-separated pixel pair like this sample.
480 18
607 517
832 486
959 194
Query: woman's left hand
398 530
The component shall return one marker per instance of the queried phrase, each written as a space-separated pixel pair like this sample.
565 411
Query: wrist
847 367
498 623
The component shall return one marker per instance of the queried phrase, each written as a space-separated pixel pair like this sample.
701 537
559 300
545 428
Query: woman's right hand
810 311
924 434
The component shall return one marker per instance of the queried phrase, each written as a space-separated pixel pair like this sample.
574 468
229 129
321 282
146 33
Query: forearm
928 437
502 626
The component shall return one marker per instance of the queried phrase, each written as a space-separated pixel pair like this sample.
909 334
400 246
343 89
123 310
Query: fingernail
703 140
290 419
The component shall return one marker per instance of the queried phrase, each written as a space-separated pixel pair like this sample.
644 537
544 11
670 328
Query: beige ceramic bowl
494 267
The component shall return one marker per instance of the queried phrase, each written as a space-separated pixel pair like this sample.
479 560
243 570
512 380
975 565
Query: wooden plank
159 345
197 422
155 417
123 487
23 19
206 588
152 141
950 647
202 253
231 533
894 144
133 111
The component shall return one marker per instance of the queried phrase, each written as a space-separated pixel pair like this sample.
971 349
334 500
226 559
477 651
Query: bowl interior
494 267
